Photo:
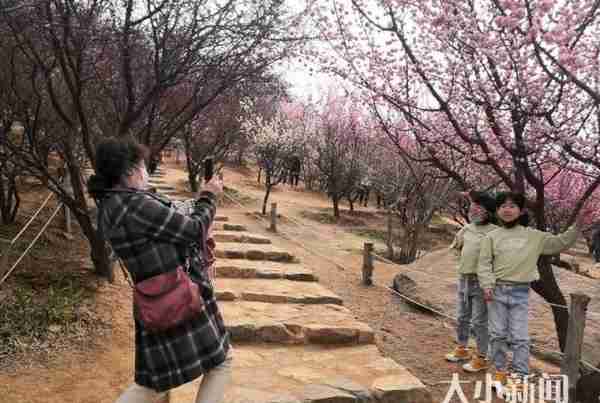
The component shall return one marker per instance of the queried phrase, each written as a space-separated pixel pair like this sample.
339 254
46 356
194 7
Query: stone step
274 291
250 321
241 268
225 226
314 374
240 237
232 250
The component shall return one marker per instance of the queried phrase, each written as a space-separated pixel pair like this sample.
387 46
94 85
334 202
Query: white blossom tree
274 142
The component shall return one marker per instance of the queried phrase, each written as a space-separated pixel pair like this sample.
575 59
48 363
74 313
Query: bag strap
126 274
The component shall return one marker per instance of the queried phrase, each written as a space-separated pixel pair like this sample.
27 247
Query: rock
326 394
269 274
330 335
404 284
301 276
346 385
278 256
244 332
235 272
400 389
231 254
225 295
408 288
366 337
256 255
248 395
261 297
240 237
233 227
278 333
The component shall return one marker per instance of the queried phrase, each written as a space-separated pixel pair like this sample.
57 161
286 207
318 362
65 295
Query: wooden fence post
273 226
390 235
572 356
367 267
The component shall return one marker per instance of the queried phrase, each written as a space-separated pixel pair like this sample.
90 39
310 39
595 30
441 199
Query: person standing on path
507 266
152 238
471 307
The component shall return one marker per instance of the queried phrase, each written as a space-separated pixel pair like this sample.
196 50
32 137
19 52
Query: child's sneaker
460 353
499 381
477 364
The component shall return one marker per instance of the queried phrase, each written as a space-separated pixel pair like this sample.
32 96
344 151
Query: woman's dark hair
486 201
115 159
519 200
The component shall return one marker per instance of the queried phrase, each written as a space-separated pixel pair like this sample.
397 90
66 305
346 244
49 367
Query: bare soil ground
99 366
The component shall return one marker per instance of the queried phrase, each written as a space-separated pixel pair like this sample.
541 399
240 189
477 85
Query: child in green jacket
507 266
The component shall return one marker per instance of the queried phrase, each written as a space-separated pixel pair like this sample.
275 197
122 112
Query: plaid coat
151 235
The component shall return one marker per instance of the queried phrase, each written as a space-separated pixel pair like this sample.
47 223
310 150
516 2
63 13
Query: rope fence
4 270
31 245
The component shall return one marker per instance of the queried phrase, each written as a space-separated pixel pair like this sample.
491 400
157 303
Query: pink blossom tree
459 79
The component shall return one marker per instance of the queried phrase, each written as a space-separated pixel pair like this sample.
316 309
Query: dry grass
47 303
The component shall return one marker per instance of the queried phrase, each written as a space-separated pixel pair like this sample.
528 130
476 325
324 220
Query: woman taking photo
154 240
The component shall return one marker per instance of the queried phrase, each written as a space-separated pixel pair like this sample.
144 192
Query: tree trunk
266 199
351 205
193 179
240 156
548 289
99 249
409 243
9 199
336 207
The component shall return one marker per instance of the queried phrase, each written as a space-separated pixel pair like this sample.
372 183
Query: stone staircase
294 341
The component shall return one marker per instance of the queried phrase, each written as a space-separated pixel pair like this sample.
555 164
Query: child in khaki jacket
471 307
507 266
